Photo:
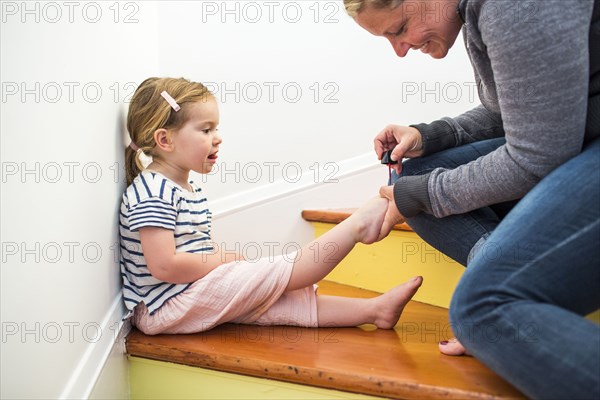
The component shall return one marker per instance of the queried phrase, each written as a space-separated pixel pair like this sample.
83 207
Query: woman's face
427 25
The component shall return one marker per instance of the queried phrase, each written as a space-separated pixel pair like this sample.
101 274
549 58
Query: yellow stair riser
151 379
397 258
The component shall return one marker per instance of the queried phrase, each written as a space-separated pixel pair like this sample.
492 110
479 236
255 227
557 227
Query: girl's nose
217 138
401 48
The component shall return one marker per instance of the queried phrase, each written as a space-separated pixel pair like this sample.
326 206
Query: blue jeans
455 235
518 307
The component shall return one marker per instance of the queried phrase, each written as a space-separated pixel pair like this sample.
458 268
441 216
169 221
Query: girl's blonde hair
353 7
149 111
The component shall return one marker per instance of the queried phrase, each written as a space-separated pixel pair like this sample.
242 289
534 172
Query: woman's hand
404 141
392 216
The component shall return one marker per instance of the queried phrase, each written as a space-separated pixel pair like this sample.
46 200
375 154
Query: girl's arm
158 246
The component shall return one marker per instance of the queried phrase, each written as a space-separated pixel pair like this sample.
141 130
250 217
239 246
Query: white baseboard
86 374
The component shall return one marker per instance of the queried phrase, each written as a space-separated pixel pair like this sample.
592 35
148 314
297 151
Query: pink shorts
245 292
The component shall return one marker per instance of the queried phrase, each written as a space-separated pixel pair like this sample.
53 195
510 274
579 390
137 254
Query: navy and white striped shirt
154 200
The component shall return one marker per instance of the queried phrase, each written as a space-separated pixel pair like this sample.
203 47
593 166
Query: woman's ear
162 137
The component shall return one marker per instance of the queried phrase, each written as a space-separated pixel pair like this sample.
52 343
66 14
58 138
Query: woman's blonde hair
353 7
149 111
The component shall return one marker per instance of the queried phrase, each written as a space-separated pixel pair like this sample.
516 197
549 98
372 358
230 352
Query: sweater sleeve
471 126
540 66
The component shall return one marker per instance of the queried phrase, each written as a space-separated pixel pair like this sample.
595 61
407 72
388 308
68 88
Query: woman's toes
452 347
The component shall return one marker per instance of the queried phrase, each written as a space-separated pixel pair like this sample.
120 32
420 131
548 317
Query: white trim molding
86 374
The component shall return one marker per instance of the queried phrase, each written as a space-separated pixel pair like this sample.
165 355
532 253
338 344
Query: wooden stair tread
399 363
335 216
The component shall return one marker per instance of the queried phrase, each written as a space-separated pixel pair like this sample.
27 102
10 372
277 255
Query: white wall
60 283
247 48
53 304
255 55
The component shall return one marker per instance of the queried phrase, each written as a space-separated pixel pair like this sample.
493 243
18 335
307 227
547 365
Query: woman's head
427 25
353 7
149 112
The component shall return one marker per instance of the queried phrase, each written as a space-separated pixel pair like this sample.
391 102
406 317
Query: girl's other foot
389 306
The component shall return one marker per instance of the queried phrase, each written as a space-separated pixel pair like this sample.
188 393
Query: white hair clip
170 100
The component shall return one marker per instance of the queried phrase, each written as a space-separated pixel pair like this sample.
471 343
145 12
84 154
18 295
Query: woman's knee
450 158
416 166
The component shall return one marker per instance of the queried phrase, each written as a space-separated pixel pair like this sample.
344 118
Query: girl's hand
167 265
392 216
404 141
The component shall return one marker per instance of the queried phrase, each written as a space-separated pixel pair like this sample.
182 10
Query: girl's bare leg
383 311
322 255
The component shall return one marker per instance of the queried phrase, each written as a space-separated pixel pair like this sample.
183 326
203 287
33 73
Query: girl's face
196 143
427 25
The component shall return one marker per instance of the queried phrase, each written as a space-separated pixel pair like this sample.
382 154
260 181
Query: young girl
173 279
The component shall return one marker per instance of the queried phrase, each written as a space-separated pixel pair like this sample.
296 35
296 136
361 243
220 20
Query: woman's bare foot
452 347
389 306
368 219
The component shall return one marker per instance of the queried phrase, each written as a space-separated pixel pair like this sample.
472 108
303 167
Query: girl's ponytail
133 164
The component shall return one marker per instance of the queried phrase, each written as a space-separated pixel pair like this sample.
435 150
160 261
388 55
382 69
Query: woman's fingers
384 141
410 143
404 141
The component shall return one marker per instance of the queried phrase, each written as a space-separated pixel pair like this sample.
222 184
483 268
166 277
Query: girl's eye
209 130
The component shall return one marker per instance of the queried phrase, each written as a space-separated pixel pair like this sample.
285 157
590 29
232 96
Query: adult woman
534 267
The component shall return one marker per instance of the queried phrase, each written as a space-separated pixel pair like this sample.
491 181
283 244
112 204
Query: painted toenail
444 342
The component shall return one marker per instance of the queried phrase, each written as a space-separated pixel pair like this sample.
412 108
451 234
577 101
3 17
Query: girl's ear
162 138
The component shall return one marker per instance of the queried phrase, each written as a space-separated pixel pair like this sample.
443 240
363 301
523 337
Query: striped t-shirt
154 200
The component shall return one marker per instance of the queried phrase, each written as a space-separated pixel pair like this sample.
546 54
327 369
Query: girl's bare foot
452 347
368 219
389 306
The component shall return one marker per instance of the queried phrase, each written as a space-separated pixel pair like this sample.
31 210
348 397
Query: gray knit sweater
536 65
